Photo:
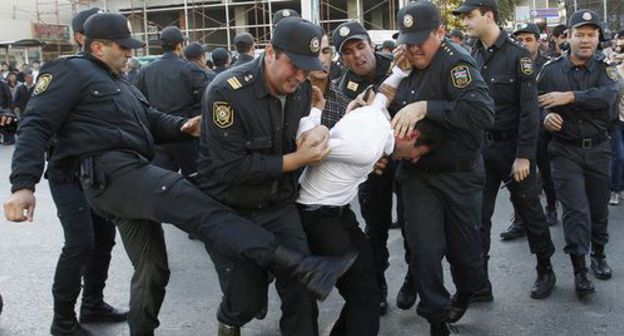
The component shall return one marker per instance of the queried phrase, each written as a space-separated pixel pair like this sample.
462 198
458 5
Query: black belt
501 135
585 143
326 209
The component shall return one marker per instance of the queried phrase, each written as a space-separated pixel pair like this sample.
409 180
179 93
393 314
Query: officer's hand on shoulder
20 206
553 122
192 126
405 120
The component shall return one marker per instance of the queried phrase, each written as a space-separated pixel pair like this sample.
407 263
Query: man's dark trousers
89 239
138 196
582 179
499 157
245 284
335 231
442 218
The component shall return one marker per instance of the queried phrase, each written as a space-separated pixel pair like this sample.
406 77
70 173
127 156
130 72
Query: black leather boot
459 305
406 298
317 274
515 230
383 304
64 322
582 283
226 330
441 329
599 264
545 282
100 312
484 294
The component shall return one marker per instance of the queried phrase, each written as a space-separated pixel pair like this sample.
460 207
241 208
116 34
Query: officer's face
325 55
420 55
114 55
529 41
584 41
476 23
282 76
359 57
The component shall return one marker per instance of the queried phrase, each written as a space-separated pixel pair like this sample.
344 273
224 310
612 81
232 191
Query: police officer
6 120
283 14
244 43
528 35
578 91
105 125
444 188
509 153
366 67
174 86
196 54
89 239
249 161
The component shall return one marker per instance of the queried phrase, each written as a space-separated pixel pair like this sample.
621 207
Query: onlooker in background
196 54
36 65
220 59
558 39
387 47
617 132
457 36
23 93
132 69
244 44
4 70
12 83
5 103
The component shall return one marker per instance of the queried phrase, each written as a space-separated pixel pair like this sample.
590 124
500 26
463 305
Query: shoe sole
583 294
512 238
602 277
89 320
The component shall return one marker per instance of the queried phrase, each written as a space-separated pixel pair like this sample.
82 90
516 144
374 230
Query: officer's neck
579 61
490 36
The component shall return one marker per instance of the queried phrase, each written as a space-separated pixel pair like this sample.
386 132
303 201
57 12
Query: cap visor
580 24
354 37
463 9
130 43
418 37
305 62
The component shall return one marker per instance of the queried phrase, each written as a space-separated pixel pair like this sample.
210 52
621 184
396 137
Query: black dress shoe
441 329
67 326
226 330
150 333
544 284
383 304
551 216
100 312
515 230
483 295
459 305
406 298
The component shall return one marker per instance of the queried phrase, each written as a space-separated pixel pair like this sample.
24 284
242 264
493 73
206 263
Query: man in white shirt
356 143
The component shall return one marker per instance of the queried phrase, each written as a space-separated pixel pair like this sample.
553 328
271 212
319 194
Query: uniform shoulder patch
43 82
234 83
612 73
222 114
353 86
460 76
526 66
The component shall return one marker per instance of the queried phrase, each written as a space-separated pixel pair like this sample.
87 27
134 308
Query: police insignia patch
526 66
612 73
352 86
222 114
344 31
42 83
460 76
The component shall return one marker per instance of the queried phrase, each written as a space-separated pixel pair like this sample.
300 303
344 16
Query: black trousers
178 156
245 284
86 253
375 198
138 197
442 217
582 180
334 232
543 164
499 157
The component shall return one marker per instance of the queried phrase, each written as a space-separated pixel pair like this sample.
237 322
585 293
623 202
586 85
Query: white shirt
356 143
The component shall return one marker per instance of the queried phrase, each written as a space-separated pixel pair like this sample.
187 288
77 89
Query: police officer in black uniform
174 86
578 91
366 67
89 239
443 190
244 43
196 54
510 148
104 125
249 161
528 35
283 14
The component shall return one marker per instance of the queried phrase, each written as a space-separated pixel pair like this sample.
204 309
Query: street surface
29 251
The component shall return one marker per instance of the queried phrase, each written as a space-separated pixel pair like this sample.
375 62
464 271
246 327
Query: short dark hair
431 134
485 9
620 34
88 42
167 47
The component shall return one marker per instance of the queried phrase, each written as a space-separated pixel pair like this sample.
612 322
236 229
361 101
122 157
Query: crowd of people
260 157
